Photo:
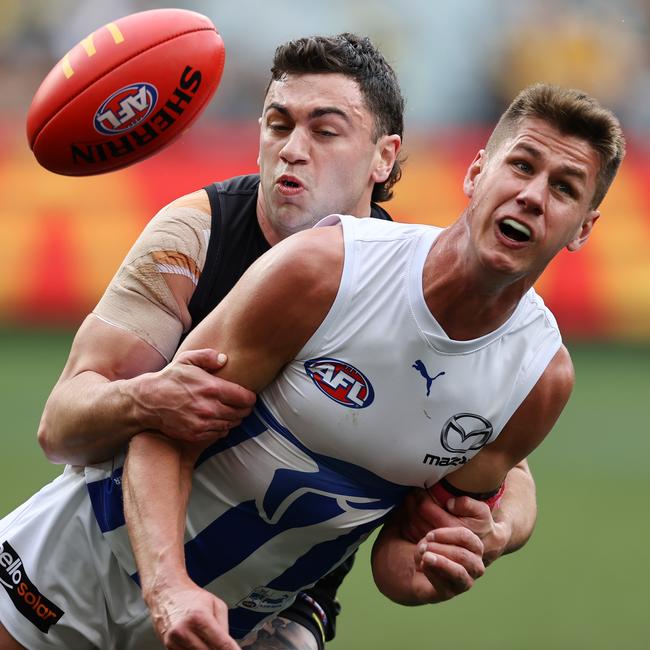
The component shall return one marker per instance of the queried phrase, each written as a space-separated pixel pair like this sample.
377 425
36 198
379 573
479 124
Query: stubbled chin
504 262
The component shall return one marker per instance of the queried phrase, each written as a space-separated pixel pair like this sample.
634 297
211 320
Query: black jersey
236 241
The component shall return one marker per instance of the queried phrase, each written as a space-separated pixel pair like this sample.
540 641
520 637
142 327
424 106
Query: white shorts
60 585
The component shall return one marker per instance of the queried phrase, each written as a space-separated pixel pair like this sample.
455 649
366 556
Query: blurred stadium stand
460 62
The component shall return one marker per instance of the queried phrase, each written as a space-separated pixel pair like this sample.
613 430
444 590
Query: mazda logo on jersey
465 432
341 382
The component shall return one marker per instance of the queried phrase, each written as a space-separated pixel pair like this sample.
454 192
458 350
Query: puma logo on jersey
421 368
341 382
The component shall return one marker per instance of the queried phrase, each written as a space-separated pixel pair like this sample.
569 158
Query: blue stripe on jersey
308 569
322 558
350 479
249 428
240 531
106 499
106 494
294 499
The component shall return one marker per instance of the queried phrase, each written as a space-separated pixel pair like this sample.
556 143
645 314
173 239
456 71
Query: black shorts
317 608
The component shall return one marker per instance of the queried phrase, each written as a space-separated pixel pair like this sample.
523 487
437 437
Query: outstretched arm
183 615
262 327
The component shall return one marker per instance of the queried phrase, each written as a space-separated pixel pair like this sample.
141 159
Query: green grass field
581 582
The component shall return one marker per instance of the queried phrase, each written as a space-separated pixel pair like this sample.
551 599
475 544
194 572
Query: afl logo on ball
341 382
125 108
465 432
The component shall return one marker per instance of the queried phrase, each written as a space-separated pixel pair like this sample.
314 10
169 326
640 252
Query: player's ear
259 121
388 147
585 230
472 173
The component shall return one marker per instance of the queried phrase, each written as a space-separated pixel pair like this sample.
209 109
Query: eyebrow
569 170
317 112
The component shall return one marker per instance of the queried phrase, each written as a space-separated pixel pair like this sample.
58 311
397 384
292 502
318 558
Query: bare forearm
88 418
180 610
156 525
394 570
518 507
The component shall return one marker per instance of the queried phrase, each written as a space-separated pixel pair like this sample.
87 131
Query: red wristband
442 491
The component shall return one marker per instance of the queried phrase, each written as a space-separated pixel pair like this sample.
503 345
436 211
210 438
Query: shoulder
179 225
197 200
549 396
277 304
310 262
526 429
556 382
538 413
292 286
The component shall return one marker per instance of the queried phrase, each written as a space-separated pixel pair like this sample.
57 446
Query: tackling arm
115 383
502 530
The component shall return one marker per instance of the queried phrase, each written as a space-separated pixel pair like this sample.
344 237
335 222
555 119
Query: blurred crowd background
459 61
581 582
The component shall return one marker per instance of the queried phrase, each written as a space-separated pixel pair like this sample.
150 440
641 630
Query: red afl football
126 91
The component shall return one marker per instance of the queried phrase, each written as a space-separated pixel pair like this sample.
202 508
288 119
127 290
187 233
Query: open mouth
286 182
514 230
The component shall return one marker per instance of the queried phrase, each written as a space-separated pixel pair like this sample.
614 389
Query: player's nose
296 149
532 194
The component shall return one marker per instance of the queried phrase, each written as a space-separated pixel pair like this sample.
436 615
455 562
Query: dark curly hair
355 57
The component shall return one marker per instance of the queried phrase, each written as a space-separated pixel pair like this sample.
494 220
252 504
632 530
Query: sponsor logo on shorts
28 600
341 382
125 108
263 599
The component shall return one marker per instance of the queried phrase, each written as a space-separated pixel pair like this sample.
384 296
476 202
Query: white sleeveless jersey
378 400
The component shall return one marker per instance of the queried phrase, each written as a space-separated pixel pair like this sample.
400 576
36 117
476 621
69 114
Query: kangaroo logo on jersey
465 432
341 382
263 599
27 599
125 108
421 368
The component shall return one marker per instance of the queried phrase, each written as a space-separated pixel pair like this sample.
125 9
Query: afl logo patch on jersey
125 108
341 382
